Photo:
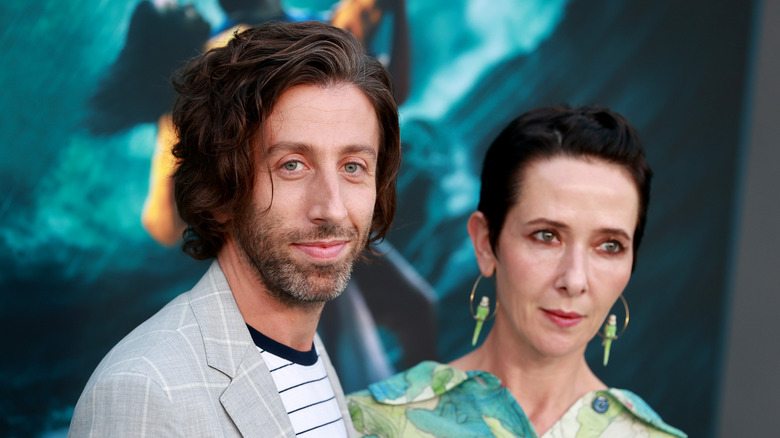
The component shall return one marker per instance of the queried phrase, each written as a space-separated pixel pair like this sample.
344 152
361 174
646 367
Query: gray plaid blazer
191 370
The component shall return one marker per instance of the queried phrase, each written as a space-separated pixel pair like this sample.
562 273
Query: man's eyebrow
288 147
304 148
360 149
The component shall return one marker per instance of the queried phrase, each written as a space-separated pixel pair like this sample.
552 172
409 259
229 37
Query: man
287 155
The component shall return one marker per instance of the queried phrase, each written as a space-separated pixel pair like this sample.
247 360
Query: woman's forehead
566 187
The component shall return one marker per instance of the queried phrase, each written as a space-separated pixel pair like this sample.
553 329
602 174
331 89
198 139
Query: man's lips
562 318
322 251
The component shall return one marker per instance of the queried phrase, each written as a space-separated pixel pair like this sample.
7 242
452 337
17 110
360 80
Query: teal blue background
79 271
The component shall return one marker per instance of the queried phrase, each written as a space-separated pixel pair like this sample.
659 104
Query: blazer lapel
251 399
253 402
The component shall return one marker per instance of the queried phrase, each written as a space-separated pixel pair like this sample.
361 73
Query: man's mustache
325 232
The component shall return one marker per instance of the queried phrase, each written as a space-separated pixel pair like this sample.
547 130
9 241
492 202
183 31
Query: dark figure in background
288 150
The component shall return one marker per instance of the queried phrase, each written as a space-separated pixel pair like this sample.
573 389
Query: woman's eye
291 165
545 235
352 167
611 247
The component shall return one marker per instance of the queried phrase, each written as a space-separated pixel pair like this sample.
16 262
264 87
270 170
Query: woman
562 208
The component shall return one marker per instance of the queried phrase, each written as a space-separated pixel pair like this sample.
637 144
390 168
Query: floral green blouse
436 400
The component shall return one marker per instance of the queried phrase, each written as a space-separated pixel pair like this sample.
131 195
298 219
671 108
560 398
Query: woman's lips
322 251
563 319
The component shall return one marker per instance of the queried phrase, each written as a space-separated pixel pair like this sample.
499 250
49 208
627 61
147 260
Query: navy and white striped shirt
304 387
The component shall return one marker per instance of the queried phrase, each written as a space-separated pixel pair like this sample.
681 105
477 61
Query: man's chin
327 287
316 295
300 280
313 285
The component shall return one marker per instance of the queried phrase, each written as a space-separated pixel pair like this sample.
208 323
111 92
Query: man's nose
326 203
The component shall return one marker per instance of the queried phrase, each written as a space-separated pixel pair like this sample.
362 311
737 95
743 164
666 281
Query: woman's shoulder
611 413
433 399
425 381
636 409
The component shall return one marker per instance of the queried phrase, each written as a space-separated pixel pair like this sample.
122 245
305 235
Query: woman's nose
573 275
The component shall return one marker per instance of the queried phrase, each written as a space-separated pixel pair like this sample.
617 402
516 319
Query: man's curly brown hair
226 94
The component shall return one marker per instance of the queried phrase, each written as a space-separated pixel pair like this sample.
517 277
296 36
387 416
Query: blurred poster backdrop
84 89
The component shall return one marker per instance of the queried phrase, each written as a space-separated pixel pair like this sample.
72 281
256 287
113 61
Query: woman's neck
544 387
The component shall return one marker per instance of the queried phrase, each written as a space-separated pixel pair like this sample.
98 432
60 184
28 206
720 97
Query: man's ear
480 238
222 218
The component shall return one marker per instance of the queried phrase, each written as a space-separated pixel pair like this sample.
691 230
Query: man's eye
612 246
291 165
351 167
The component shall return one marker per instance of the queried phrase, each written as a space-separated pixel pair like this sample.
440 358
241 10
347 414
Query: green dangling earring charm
610 331
483 311
610 334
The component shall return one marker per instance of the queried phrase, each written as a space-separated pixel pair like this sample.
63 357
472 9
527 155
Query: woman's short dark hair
226 94
543 133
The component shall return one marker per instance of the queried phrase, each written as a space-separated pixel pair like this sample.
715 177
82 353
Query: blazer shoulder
169 340
124 404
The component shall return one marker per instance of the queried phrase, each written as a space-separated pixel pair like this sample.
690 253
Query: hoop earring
483 311
610 330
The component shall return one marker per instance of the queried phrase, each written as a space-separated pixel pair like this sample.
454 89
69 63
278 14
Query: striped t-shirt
304 387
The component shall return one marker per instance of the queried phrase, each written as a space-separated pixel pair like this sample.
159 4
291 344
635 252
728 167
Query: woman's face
564 254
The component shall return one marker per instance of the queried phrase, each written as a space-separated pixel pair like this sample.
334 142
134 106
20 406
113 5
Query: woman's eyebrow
604 231
546 221
615 232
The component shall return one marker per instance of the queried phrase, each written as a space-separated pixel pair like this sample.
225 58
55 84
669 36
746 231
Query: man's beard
266 246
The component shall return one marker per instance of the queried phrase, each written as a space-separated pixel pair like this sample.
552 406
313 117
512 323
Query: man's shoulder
160 343
174 342
170 372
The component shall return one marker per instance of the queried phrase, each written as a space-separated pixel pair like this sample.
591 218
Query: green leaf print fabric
433 400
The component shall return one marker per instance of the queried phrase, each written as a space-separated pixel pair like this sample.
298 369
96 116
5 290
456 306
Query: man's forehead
312 118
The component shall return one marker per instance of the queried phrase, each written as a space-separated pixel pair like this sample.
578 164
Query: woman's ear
480 238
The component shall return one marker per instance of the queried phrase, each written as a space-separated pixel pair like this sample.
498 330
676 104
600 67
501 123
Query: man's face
303 234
